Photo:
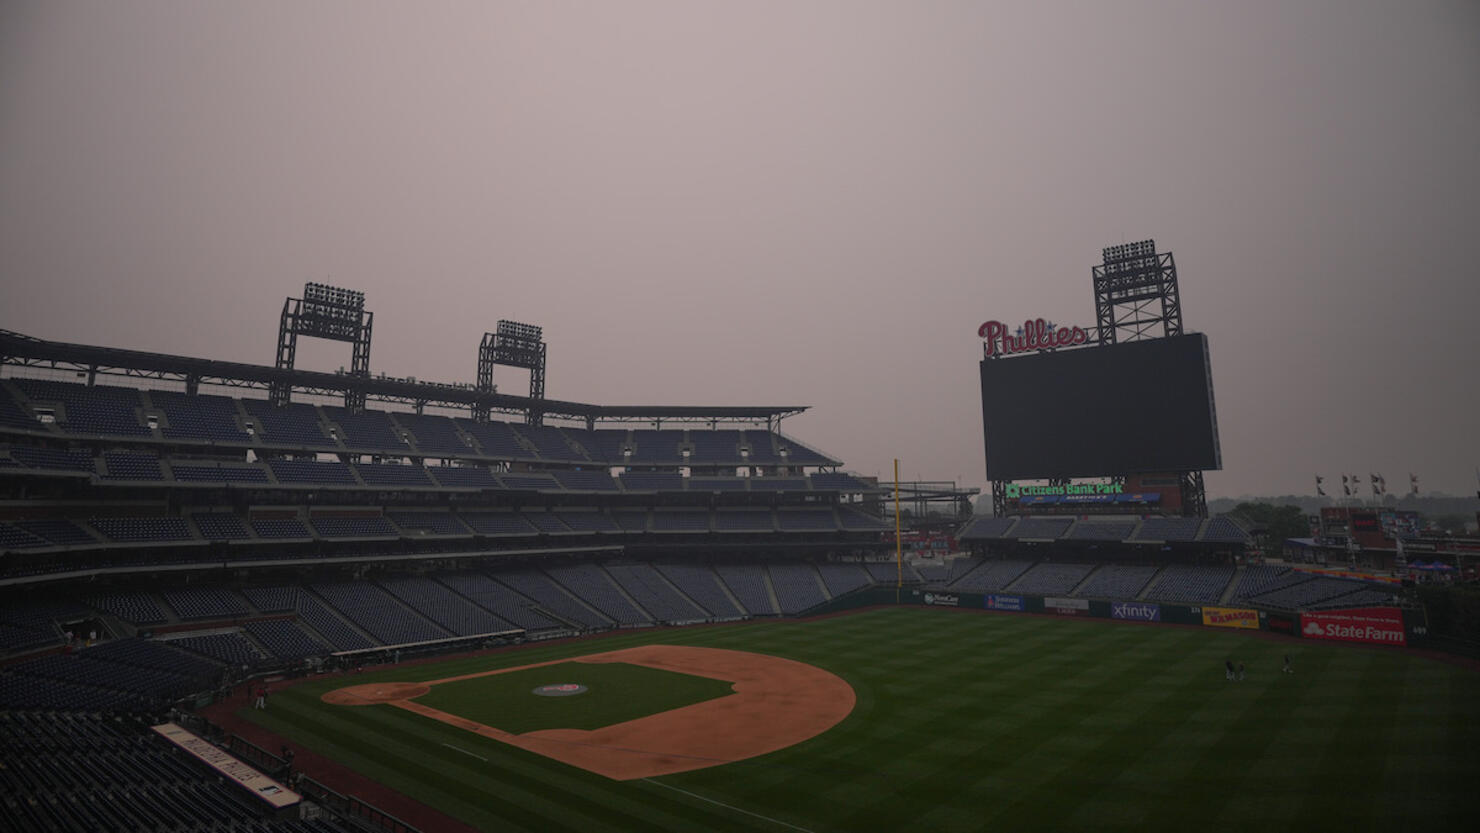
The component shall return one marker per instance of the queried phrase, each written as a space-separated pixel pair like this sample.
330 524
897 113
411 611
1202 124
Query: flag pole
898 541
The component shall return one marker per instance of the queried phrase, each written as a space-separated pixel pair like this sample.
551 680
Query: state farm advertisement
1375 625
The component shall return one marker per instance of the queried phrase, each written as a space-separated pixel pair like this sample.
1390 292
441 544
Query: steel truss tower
513 345
331 313
1136 293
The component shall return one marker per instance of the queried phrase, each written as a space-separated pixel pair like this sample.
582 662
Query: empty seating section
933 574
550 597
747 582
198 417
143 529
296 424
205 603
799 455
272 599
279 528
30 624
652 481
392 474
1224 530
549 443
796 587
657 447
12 415
53 458
990 576
595 587
631 520
588 521
1185 583
837 482
852 519
138 608
1051 579
124 465
463 477
886 572
431 523
604 444
530 482
370 430
702 585
496 439
284 639
312 471
1362 598
803 520
1315 591
498 523
218 473
15 538
546 522
1117 581
102 410
744 520
498 599
675 520
650 590
985 527
446 608
843 578
715 447
778 484
760 449
220 526
377 613
586 481
1263 578
1039 528
719 484
377 527
232 648
433 433
1101 531
1168 529
57 531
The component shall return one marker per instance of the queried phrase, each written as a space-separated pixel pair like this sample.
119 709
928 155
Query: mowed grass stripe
972 721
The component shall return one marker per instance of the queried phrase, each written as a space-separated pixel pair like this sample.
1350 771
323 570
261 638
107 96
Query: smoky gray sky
794 202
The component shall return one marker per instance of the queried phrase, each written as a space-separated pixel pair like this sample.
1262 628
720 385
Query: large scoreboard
1112 410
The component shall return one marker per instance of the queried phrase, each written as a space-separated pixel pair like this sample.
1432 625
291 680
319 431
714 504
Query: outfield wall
1393 626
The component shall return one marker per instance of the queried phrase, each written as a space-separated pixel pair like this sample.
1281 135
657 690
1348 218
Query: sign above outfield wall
1372 625
1230 617
1015 490
1035 334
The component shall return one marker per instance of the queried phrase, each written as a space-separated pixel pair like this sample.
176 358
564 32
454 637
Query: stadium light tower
326 312
1135 291
514 345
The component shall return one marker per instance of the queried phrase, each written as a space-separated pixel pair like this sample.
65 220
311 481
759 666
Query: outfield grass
616 692
971 721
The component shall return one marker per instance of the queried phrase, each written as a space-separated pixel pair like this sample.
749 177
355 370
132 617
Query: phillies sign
1035 334
1374 625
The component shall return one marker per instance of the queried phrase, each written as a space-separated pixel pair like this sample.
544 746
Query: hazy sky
782 203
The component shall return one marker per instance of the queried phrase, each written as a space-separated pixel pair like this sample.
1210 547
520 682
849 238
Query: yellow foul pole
898 541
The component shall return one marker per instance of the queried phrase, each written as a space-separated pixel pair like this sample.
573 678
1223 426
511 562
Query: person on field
1241 672
1287 669
1228 670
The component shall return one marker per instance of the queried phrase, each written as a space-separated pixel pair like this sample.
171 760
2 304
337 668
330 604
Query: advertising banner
942 599
1067 607
995 602
1280 623
1137 611
1373 625
1230 617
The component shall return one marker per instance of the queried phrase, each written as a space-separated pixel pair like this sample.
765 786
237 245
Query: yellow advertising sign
1231 617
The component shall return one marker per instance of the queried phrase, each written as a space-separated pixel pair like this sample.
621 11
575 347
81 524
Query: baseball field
910 718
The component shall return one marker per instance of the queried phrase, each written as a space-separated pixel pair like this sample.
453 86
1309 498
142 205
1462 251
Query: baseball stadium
261 598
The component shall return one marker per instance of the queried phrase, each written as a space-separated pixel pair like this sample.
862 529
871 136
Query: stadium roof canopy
21 350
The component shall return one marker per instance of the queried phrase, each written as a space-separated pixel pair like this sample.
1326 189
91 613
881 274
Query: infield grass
616 692
975 721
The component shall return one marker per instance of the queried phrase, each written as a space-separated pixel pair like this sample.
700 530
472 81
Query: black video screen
1140 406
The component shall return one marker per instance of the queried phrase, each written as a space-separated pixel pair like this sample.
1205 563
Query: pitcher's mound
373 693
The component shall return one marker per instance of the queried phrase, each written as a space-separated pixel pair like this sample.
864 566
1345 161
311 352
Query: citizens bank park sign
1035 334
